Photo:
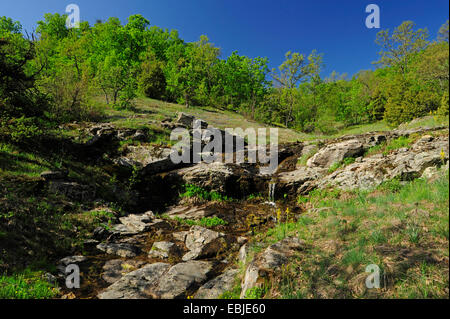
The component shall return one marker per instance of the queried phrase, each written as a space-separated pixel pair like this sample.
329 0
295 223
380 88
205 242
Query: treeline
55 76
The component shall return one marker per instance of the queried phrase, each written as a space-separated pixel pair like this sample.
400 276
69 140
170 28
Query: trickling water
272 192
271 201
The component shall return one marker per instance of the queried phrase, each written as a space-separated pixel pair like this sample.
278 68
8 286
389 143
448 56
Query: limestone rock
115 269
181 278
334 153
119 249
135 284
195 212
202 242
214 288
163 250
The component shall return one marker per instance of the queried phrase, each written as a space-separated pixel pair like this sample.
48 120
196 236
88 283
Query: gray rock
63 263
163 250
101 233
187 120
181 278
135 224
335 153
138 223
136 284
243 253
214 288
181 236
202 242
195 213
115 269
119 249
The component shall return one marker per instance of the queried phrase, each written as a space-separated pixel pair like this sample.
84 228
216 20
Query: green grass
397 143
207 222
198 192
386 147
412 216
427 121
305 157
26 285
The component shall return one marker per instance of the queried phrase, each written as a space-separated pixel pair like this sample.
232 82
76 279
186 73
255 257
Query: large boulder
203 242
299 181
214 288
135 285
230 179
404 164
335 153
181 278
150 159
164 250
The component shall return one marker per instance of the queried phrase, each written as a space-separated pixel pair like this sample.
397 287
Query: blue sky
260 27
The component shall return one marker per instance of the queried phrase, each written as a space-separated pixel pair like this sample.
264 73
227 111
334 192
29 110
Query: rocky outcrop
115 269
404 164
150 159
135 285
230 179
195 213
119 249
335 153
164 250
134 224
182 277
214 288
301 180
203 242
366 172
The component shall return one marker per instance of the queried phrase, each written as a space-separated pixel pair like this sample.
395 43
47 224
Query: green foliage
152 81
335 166
234 293
63 71
400 142
208 222
393 185
27 285
191 190
255 293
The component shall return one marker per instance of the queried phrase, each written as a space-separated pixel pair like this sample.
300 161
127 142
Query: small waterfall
272 192
271 201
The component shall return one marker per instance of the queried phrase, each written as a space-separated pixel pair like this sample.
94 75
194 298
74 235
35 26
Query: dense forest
57 75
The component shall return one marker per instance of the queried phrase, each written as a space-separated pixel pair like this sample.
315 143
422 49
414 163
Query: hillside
97 200
98 195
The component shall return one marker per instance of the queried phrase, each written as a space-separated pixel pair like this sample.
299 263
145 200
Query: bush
443 108
407 102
